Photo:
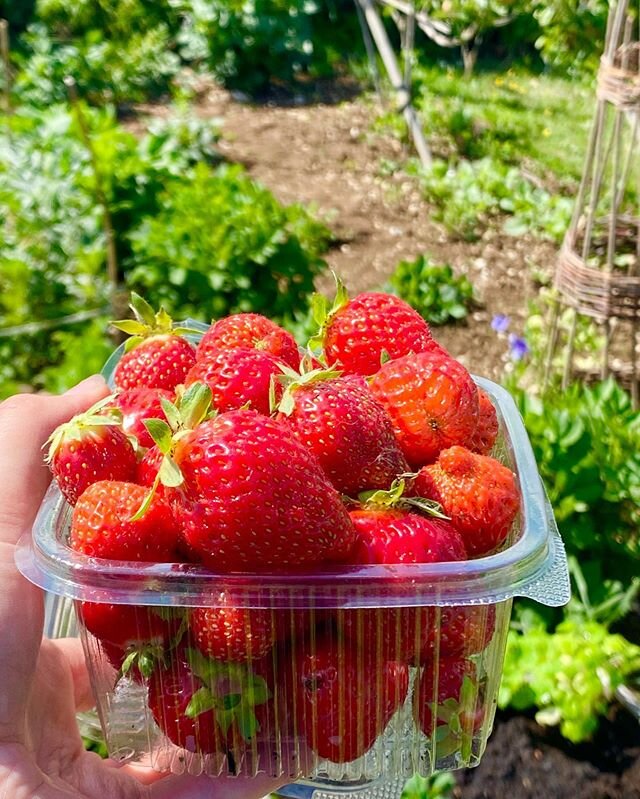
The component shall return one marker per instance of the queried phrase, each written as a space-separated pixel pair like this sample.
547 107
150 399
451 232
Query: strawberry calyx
395 497
145 658
322 313
147 323
192 406
231 690
102 414
292 381
454 735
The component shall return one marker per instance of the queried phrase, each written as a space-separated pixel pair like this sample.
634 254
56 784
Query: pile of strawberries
246 454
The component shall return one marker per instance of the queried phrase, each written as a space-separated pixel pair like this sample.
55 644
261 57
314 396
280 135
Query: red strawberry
250 330
232 633
359 333
102 524
457 710
237 377
171 691
254 498
346 699
486 432
147 468
157 356
398 634
89 448
137 405
124 625
462 631
478 493
432 402
394 535
346 429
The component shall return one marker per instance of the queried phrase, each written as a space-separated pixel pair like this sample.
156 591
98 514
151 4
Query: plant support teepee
598 270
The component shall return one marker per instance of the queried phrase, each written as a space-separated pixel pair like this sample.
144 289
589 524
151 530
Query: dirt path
328 156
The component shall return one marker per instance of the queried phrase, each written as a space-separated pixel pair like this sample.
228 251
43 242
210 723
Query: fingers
26 421
72 651
185 787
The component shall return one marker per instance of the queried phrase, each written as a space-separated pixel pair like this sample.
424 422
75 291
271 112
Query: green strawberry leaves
231 690
322 313
102 414
146 323
395 498
292 381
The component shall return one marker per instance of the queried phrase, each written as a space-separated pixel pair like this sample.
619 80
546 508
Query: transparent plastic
348 680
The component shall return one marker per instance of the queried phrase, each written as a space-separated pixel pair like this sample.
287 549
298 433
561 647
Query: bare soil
328 156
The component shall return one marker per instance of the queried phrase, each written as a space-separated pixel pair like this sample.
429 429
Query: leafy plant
470 195
570 674
223 244
440 786
432 289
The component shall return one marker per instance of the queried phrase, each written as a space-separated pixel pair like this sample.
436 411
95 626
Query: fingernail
93 383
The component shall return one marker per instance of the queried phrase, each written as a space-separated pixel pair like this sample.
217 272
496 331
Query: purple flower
500 323
518 347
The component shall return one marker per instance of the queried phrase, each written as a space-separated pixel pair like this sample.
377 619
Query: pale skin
43 683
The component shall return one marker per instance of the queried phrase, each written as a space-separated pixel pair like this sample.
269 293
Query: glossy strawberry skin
399 536
170 691
160 361
486 432
432 402
147 468
346 698
137 405
124 625
255 499
101 526
101 452
231 633
460 632
350 434
478 493
237 377
250 330
369 325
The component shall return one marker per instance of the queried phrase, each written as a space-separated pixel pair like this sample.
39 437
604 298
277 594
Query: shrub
432 289
223 244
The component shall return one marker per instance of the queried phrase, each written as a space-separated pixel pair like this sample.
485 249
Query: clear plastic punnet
370 674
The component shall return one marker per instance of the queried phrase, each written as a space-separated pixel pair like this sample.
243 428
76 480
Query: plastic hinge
382 789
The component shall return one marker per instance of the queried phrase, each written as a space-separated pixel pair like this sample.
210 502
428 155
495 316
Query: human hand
44 683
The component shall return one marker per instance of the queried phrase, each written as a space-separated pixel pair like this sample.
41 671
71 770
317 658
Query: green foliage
105 69
471 195
223 244
587 445
570 674
433 290
52 249
440 786
572 33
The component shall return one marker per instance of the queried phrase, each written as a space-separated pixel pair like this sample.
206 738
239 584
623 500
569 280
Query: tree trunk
470 55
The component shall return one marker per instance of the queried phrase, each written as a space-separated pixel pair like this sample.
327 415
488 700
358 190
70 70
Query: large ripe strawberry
133 638
486 432
346 698
432 402
156 356
232 633
478 493
350 433
171 692
238 377
138 405
254 498
147 468
103 526
397 535
358 334
448 706
250 330
461 631
90 447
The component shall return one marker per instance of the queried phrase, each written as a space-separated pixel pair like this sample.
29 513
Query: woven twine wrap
596 291
619 81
